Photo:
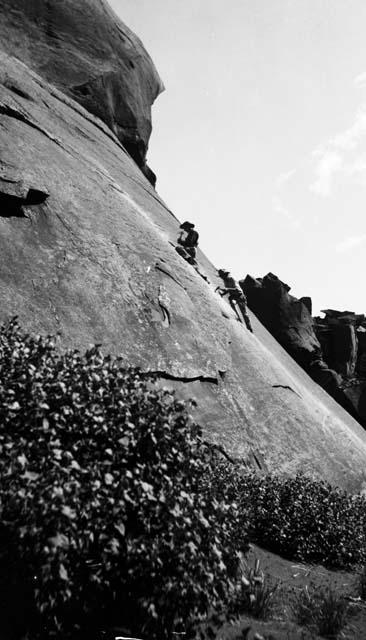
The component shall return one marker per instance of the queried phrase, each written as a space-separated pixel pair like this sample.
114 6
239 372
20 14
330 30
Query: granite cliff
86 245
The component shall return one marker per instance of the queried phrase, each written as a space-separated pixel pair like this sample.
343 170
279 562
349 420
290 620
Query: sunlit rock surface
86 249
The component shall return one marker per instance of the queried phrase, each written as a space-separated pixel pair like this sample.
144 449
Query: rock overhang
85 50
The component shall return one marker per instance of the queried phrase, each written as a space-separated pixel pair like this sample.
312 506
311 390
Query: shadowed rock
287 318
327 351
82 48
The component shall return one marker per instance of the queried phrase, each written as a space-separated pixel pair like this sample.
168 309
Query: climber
236 295
188 242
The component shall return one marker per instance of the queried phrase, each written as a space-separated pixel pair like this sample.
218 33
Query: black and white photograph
182 320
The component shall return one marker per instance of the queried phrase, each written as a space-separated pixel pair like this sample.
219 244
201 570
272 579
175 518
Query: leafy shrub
105 514
304 519
322 610
298 518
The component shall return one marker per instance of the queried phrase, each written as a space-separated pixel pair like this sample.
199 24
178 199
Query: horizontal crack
285 386
169 376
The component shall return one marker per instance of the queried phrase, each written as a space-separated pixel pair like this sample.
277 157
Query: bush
105 514
322 610
304 519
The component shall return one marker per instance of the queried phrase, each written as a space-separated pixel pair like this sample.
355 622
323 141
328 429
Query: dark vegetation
323 611
298 518
103 516
307 520
114 512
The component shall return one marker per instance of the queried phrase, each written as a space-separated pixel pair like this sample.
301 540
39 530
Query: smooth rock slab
96 262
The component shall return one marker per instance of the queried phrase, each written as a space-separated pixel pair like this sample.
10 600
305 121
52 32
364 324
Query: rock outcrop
327 349
288 319
342 335
86 251
86 52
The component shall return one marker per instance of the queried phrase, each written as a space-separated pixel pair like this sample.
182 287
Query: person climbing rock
188 242
236 296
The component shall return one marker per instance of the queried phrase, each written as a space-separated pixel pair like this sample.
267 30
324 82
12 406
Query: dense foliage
299 517
104 517
113 511
296 517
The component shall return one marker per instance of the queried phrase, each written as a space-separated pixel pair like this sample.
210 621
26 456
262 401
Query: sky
260 135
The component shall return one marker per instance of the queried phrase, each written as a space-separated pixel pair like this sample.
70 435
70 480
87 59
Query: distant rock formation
342 335
287 318
83 49
326 348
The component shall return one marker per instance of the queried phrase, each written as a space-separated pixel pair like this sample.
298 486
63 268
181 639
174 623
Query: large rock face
83 49
86 250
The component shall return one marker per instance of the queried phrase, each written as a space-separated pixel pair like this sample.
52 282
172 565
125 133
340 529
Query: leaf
22 460
121 529
63 573
108 478
68 512
59 540
30 475
148 488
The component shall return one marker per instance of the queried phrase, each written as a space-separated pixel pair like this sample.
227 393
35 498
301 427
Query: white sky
260 136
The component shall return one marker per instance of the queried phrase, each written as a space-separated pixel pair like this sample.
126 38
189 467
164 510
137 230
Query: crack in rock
14 112
160 267
164 304
285 386
17 90
170 376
